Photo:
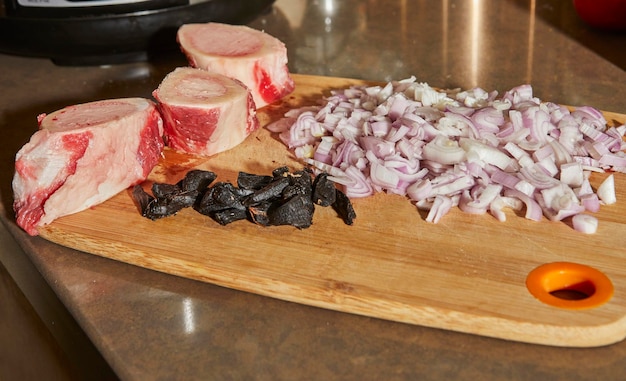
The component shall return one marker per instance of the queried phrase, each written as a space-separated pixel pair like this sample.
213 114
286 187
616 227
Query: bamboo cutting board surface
467 273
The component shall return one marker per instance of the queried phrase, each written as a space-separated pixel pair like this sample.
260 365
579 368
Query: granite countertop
148 325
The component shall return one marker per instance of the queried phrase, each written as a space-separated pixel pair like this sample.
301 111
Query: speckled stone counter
146 325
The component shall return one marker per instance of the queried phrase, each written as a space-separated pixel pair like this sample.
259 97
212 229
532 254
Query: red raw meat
83 155
248 55
204 113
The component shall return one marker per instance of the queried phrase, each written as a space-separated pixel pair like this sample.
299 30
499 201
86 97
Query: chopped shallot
606 191
470 149
585 223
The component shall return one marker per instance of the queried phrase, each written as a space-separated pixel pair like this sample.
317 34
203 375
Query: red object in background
603 14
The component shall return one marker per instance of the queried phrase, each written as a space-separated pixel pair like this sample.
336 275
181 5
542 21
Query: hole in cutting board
569 285
578 291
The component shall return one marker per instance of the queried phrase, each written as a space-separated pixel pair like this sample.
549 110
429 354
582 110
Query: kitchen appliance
95 32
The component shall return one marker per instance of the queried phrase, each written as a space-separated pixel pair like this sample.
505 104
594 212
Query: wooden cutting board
467 273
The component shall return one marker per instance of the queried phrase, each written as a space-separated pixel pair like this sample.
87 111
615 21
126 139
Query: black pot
114 32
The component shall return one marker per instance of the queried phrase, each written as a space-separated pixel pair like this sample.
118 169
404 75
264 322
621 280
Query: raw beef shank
248 55
83 155
204 113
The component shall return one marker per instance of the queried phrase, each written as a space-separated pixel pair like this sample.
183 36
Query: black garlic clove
343 207
324 190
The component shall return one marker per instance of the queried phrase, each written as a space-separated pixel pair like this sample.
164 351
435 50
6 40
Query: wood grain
466 273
